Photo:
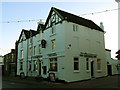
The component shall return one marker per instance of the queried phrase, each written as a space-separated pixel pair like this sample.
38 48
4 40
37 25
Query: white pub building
67 47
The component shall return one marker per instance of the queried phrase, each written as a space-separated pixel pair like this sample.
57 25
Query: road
11 84
106 82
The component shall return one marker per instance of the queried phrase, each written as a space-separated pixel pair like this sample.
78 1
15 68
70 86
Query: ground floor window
76 63
30 65
21 65
44 70
6 67
53 64
98 64
35 65
87 63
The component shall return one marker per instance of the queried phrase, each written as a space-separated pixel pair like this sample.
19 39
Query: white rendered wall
112 62
90 41
59 36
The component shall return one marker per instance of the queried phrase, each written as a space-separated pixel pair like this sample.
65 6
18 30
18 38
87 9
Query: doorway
109 69
39 68
92 68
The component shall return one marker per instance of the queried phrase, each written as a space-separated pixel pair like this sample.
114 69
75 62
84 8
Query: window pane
75 59
21 53
34 50
21 65
76 63
98 64
76 66
53 64
87 64
44 70
30 66
53 44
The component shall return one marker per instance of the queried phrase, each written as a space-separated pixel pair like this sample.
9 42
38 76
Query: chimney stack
40 25
101 25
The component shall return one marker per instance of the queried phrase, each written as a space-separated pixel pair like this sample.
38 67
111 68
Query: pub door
92 68
39 68
109 69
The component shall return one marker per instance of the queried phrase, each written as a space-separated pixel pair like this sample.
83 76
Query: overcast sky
17 11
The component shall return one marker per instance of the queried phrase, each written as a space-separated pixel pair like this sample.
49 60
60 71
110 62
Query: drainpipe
31 50
27 57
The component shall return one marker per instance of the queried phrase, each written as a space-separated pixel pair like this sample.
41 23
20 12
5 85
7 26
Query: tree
118 54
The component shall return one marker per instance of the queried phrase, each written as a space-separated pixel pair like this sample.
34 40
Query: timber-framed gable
53 18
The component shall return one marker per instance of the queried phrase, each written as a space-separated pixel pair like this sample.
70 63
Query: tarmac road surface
105 82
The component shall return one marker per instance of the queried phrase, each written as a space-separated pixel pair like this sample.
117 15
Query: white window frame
35 65
21 53
53 44
75 28
76 61
98 64
34 50
21 65
53 61
87 63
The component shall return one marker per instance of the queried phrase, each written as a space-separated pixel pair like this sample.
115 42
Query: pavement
105 82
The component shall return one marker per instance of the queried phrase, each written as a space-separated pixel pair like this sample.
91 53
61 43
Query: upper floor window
87 63
43 43
75 28
40 49
53 44
34 50
30 51
21 65
35 66
22 44
53 28
98 64
21 53
76 63
12 57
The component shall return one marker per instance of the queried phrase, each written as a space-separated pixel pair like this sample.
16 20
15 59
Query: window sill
87 71
99 71
21 59
76 71
52 34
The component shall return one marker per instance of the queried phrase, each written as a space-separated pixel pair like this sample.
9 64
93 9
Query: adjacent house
1 64
10 63
112 64
1 60
67 47
27 47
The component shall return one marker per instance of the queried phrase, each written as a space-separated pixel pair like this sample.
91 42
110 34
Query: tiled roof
108 50
28 34
78 20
